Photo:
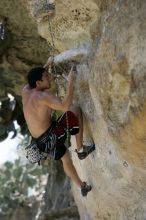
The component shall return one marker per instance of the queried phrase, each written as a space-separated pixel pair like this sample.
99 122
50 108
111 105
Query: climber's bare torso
37 115
38 103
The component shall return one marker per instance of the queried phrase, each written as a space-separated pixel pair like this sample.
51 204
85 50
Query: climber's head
38 78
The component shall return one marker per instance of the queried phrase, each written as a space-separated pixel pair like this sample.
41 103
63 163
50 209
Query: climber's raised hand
49 62
71 76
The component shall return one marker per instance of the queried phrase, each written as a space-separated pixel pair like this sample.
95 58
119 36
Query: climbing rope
52 39
53 47
55 71
53 54
68 136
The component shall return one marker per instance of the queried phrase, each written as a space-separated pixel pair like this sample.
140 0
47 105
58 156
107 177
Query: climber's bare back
37 116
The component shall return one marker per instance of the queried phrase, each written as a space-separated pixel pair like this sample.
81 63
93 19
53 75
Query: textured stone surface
70 21
111 90
114 106
21 47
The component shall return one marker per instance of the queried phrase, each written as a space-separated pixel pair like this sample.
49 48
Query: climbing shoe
86 151
85 189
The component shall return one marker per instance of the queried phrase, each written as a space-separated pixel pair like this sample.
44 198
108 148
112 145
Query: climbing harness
42 148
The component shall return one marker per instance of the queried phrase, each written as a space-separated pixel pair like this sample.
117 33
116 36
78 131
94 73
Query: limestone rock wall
70 21
111 90
20 46
114 106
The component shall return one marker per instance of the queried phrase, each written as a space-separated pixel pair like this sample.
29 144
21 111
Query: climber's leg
79 137
70 169
82 150
72 173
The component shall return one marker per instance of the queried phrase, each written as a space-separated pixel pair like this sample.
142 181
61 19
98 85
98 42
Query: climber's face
45 82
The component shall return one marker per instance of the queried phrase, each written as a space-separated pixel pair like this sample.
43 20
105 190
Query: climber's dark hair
34 75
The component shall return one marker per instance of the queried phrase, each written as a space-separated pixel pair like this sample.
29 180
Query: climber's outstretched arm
53 102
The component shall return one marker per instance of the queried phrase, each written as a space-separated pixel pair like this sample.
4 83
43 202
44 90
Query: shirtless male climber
38 103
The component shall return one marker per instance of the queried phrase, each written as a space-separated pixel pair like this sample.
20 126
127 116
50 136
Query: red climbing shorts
67 121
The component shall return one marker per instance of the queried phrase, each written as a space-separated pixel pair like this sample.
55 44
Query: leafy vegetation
17 182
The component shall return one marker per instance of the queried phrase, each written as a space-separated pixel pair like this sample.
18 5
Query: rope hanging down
55 71
53 47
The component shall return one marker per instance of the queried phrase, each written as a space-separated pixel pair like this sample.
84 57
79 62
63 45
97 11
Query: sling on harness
42 148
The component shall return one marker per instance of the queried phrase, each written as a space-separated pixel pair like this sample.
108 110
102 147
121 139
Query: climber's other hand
49 62
72 74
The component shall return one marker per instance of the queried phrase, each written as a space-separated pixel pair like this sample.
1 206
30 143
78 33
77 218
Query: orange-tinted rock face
111 90
21 47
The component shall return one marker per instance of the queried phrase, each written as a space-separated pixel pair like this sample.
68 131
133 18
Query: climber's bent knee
75 109
66 157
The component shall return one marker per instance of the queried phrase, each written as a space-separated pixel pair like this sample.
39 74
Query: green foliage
15 181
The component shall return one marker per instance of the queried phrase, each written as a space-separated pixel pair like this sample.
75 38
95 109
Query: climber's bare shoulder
35 95
37 115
